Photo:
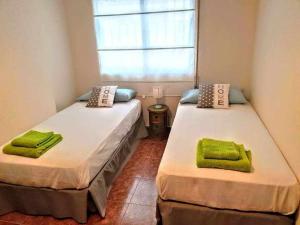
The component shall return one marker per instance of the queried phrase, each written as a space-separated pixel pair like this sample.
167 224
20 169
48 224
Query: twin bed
76 174
189 195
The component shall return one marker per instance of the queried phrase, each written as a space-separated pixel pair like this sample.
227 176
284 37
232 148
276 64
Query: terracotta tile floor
131 200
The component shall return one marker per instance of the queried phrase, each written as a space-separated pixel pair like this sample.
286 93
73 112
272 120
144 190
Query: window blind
145 40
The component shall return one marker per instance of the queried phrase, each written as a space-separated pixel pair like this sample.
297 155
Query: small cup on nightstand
158 120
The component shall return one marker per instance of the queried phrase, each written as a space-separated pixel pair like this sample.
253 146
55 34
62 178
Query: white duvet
270 187
90 135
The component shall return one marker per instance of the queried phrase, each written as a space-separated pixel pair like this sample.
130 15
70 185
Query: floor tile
146 193
151 168
15 217
156 153
41 220
139 215
123 189
136 168
145 169
114 214
7 223
149 149
22 219
141 153
53 221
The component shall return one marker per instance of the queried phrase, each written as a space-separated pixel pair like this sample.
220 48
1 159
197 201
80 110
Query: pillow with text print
213 96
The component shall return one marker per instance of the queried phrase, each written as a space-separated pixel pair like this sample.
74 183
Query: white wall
35 64
276 77
57 52
227 31
79 16
227 59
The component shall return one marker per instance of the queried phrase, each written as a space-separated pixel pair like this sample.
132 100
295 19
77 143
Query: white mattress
90 137
270 187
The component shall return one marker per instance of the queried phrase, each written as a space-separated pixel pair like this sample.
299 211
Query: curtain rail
141 49
129 14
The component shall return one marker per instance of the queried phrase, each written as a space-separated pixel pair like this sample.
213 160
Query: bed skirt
177 213
72 203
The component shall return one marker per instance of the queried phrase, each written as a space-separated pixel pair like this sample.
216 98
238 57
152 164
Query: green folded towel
32 139
32 152
243 164
217 149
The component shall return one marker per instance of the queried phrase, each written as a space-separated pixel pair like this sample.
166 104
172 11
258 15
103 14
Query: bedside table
158 121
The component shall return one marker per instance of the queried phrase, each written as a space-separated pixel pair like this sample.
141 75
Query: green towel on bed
32 139
243 164
217 149
33 152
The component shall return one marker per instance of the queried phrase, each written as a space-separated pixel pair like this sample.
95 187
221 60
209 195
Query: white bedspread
271 187
90 135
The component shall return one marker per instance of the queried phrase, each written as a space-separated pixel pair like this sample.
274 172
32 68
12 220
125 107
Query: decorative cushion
122 95
191 96
106 96
236 96
213 96
102 96
94 97
85 97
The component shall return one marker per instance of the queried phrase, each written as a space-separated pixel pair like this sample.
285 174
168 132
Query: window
145 40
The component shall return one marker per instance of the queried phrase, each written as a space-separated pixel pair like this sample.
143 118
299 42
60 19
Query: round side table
158 120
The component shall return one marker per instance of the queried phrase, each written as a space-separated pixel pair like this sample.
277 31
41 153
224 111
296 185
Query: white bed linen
270 187
90 135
